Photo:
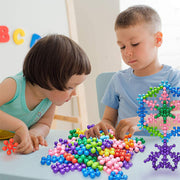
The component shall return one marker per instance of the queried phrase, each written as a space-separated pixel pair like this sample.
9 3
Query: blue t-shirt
17 106
124 87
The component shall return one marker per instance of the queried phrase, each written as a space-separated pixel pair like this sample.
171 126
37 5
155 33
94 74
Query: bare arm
7 92
10 123
110 116
41 129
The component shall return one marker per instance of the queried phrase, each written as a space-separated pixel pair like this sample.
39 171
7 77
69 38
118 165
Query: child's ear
158 39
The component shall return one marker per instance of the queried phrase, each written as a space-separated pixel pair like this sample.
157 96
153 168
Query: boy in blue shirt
138 32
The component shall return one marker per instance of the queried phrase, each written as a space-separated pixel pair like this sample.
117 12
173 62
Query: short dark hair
52 61
138 14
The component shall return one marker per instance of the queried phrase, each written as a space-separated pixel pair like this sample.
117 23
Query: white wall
95 27
34 16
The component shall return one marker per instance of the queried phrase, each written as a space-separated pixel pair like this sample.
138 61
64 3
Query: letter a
34 38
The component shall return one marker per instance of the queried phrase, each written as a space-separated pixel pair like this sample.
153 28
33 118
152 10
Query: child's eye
123 47
70 88
136 44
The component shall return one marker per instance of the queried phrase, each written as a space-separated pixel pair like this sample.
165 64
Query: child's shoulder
7 90
13 83
19 78
123 73
8 82
171 70
168 67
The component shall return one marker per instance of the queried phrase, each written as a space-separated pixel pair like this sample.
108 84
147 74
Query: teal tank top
17 106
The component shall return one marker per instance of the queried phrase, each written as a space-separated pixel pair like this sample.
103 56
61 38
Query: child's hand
128 125
37 140
94 131
23 138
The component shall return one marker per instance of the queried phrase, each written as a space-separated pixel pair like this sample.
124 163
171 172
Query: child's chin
68 100
59 104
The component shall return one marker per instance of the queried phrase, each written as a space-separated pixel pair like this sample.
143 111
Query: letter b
4 36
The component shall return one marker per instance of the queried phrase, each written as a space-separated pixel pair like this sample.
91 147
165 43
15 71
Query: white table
28 167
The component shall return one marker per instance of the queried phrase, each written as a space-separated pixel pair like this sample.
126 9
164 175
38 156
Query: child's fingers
93 132
111 127
90 133
132 130
104 129
96 132
28 150
22 147
45 143
119 134
35 142
87 133
42 141
16 139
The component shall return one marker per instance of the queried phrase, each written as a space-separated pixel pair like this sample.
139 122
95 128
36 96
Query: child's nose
128 52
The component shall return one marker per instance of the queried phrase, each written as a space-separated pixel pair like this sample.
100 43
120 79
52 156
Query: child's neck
33 95
149 70
35 91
